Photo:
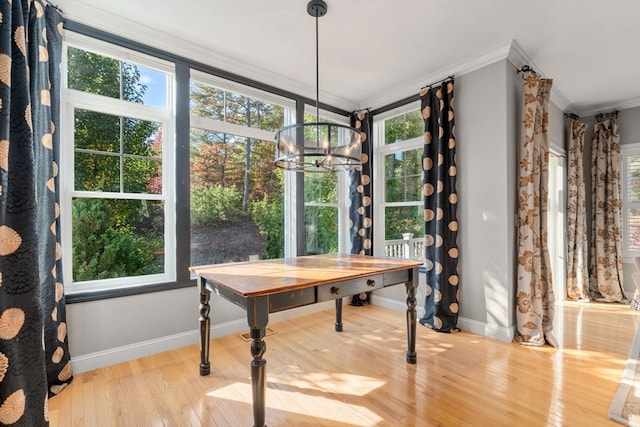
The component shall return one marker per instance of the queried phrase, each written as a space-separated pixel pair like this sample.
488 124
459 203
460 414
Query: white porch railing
407 247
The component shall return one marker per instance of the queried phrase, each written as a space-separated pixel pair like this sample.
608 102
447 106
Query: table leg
339 315
411 318
205 295
258 317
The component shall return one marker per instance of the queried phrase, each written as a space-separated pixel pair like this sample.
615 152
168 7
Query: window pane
404 176
117 154
236 199
94 73
321 230
404 127
633 178
117 238
218 104
137 167
403 219
97 131
97 172
321 187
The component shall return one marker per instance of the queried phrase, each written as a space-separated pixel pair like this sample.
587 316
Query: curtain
440 208
534 297
34 356
577 269
606 249
360 190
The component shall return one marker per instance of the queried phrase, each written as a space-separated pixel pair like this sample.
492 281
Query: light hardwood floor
317 377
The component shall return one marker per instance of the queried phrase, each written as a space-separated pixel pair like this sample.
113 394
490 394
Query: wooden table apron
268 286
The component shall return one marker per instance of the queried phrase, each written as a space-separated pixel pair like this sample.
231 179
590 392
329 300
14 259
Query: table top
265 277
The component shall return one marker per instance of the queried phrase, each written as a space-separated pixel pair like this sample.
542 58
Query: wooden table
268 286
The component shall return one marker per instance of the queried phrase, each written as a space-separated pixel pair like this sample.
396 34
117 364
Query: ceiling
373 52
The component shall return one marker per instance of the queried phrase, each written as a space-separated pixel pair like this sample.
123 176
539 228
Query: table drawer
350 287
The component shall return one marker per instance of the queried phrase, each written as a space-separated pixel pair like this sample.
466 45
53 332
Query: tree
223 165
114 238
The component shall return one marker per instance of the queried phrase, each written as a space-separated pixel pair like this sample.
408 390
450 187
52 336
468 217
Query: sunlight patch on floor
311 404
338 383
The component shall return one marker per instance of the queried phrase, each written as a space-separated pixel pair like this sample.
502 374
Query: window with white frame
236 192
399 211
631 199
116 169
325 205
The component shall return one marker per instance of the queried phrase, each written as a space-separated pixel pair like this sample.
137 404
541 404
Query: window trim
72 100
380 151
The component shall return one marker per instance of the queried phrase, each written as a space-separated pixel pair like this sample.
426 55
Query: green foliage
114 238
405 219
403 127
106 245
321 230
211 206
268 215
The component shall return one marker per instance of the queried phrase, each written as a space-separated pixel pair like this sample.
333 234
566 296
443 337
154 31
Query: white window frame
627 150
213 125
343 182
75 99
557 219
380 151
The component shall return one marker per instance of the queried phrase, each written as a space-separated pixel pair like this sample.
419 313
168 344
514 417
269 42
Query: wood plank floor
317 377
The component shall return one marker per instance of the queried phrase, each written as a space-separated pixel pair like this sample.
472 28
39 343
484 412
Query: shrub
268 215
212 205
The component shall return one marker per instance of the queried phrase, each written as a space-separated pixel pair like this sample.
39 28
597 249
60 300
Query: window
556 219
398 163
236 193
325 206
118 114
631 199
131 222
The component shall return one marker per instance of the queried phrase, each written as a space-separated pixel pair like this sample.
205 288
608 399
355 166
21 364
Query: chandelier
318 147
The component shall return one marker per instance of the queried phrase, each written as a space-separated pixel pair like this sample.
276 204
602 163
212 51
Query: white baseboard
100 359
473 326
499 333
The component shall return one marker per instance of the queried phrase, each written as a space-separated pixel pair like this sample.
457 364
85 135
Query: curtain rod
437 81
368 110
526 69
611 115
572 116
55 6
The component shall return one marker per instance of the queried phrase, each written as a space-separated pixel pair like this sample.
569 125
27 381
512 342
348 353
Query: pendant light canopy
318 147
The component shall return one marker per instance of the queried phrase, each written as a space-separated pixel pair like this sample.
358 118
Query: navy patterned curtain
34 356
440 206
360 190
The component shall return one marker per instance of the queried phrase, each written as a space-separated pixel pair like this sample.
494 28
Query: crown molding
413 87
518 58
592 110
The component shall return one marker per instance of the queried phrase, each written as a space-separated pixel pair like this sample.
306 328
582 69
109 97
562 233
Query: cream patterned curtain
535 297
606 248
577 240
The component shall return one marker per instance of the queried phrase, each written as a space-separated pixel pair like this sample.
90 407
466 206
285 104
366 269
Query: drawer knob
371 283
334 290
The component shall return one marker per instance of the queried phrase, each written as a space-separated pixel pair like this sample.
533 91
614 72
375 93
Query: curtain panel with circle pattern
34 357
360 195
440 208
